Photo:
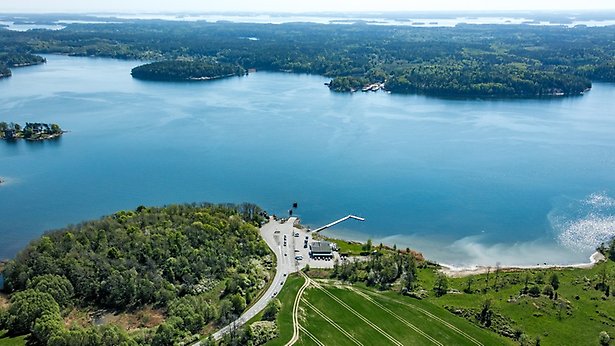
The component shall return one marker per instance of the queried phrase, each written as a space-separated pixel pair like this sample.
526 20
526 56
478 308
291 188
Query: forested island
11 60
31 131
180 270
466 60
187 70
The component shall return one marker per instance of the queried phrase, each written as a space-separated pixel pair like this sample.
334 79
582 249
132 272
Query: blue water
464 181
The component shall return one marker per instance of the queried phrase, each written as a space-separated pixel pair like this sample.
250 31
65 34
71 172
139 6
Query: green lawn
285 321
16 341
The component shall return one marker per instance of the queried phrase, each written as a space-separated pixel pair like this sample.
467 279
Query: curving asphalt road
273 233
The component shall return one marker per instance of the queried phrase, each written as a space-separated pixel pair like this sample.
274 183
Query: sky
152 6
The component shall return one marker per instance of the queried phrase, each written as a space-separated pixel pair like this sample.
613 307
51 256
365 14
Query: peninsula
31 131
11 60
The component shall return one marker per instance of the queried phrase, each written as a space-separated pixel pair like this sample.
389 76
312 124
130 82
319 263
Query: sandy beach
458 272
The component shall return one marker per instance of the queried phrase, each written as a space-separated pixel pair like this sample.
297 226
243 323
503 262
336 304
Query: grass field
345 315
332 313
576 318
16 341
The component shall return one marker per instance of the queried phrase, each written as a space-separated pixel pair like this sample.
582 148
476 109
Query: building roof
321 247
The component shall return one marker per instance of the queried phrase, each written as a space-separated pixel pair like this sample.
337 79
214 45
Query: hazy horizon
271 6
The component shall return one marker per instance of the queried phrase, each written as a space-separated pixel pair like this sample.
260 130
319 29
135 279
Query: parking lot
293 243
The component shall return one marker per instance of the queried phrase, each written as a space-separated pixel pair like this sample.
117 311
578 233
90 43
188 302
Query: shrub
534 291
272 309
263 331
604 338
548 291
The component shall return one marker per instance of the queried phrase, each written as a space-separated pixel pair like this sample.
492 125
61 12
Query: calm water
464 181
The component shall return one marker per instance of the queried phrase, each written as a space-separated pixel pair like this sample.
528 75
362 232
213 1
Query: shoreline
454 271
459 272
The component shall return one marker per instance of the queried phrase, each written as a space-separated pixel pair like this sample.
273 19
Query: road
273 233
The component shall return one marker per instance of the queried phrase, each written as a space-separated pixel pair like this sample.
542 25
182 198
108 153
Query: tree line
466 60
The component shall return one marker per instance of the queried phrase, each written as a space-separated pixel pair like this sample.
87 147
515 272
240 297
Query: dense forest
187 70
466 60
199 264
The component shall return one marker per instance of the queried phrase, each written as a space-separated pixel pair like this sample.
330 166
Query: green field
8 341
345 315
577 317
332 313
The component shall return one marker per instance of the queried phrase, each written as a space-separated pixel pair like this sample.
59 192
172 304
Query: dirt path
296 325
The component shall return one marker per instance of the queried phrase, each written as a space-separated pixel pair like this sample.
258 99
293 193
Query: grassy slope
7 341
581 320
386 320
285 321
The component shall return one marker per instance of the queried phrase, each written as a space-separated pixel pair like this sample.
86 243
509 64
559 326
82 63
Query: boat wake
581 225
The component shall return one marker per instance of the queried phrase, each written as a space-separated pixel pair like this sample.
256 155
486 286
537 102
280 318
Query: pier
338 221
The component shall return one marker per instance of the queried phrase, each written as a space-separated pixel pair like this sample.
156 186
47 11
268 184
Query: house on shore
321 249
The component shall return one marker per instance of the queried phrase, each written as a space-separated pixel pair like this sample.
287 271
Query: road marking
363 318
444 322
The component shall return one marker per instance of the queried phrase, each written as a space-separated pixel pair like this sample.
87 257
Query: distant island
187 70
10 60
31 131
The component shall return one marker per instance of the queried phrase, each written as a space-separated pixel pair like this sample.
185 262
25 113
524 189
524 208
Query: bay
466 182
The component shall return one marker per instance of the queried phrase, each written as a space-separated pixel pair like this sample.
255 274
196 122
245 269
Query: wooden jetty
338 221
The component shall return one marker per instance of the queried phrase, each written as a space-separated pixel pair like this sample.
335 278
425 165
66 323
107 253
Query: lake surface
464 181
